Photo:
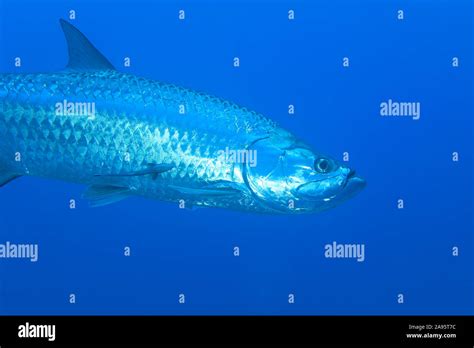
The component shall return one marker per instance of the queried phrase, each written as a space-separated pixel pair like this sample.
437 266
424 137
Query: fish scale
157 140
149 133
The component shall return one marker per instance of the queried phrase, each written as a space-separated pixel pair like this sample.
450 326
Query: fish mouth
351 174
324 191
354 184
354 181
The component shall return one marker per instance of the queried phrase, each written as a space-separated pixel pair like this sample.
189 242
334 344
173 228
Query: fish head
292 178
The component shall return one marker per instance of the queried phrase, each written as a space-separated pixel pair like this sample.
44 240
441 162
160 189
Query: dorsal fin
82 54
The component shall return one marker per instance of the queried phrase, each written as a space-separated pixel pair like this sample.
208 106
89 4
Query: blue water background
283 62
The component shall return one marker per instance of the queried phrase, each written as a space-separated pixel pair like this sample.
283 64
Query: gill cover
283 164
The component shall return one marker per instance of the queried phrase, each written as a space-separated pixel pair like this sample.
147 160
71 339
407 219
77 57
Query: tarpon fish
123 135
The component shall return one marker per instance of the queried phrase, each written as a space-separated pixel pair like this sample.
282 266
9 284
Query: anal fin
100 195
6 177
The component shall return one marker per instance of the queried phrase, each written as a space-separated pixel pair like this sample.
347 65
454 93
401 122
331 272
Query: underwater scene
236 157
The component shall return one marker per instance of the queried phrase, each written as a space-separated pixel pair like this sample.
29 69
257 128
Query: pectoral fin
152 169
206 191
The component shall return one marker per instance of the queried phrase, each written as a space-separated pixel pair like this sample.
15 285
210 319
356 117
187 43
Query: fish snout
353 183
321 190
337 187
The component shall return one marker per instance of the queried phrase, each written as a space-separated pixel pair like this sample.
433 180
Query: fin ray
82 53
100 195
6 177
214 191
152 168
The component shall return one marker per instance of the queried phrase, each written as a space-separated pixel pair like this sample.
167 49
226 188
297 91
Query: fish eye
322 165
